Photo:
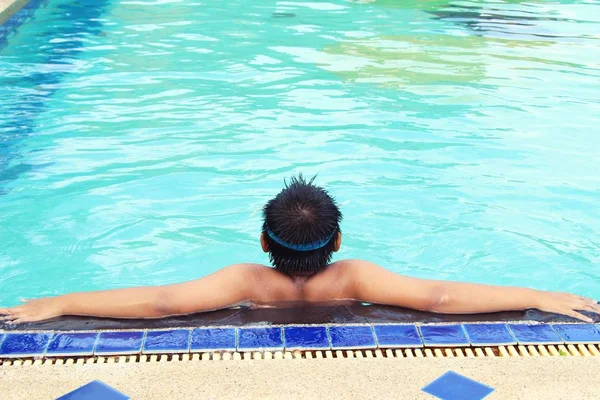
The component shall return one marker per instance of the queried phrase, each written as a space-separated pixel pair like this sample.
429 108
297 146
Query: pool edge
8 8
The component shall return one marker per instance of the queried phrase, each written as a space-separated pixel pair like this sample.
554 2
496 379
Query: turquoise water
139 139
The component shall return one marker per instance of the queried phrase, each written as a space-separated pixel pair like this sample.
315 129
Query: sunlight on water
139 139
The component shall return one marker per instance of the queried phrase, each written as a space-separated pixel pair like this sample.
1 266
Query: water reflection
468 41
509 17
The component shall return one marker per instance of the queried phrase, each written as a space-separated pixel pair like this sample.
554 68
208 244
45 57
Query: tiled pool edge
8 8
509 352
418 340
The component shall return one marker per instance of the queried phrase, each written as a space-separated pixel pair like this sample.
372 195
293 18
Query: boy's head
301 228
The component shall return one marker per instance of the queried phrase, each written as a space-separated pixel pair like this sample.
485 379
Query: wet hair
300 218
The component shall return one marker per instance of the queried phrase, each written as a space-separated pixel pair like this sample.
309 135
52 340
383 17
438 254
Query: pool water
139 139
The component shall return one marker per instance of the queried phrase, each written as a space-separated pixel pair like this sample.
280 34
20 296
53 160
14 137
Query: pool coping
8 8
316 314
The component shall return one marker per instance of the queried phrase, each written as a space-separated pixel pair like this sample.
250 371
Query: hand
567 304
32 310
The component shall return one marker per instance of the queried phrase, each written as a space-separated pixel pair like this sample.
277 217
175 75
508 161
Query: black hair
301 213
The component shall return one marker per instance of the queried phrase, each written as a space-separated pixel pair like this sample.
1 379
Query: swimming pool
139 139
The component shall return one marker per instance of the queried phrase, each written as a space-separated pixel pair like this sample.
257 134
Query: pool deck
9 7
528 378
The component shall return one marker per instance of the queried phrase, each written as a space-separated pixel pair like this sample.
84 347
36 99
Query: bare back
328 285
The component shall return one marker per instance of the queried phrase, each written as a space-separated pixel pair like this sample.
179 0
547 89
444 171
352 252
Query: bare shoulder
268 285
336 282
266 276
351 263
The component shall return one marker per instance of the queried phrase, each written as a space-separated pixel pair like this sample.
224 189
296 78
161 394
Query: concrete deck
9 7
528 378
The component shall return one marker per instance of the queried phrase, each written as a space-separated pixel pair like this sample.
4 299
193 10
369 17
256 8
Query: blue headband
300 247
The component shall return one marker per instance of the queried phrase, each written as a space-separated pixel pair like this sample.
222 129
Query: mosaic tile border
291 338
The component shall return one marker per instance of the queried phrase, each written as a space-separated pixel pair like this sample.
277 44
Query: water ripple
140 139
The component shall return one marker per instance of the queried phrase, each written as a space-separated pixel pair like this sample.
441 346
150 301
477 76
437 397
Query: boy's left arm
226 287
371 283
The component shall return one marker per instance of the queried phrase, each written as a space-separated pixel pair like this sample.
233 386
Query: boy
301 231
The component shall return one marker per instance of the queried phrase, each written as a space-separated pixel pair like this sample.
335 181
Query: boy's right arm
225 287
368 282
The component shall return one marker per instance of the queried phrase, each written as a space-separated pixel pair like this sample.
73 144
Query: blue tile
80 343
489 334
535 334
124 342
452 386
170 341
444 335
397 336
267 338
352 337
306 337
213 339
94 390
578 333
24 344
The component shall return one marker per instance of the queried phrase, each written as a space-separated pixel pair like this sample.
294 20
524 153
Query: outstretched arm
370 283
224 288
